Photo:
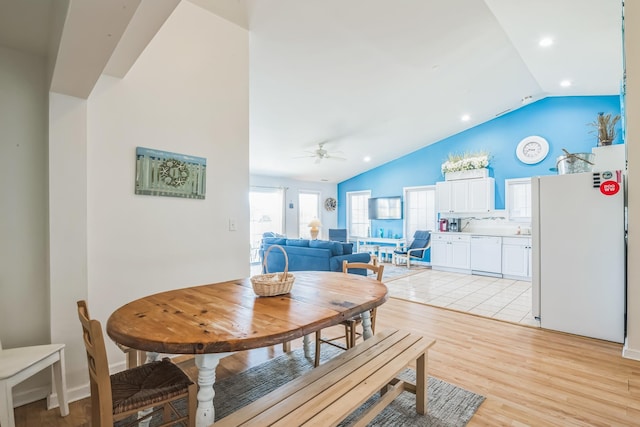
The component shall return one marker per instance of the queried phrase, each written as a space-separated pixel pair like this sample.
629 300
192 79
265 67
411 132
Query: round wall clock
330 204
532 149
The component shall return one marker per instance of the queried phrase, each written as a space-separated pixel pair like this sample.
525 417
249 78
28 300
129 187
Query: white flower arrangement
464 162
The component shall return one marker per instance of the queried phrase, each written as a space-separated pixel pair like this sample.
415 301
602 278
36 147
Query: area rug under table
448 405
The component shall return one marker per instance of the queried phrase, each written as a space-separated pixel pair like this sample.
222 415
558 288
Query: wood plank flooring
530 377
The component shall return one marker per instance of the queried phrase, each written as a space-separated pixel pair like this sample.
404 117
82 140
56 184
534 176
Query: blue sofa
314 255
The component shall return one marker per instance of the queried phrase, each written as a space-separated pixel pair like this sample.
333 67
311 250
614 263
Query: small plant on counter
605 128
465 161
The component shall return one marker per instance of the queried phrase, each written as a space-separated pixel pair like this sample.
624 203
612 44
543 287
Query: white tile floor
502 299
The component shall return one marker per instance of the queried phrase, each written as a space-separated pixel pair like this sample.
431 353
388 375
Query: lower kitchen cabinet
451 252
516 258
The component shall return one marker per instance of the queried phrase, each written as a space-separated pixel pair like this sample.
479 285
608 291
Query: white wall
293 188
23 218
68 228
632 51
187 93
24 296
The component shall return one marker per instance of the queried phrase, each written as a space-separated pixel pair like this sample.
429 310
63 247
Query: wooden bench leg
421 384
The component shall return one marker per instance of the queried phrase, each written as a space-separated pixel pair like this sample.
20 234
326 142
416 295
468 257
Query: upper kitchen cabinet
466 195
518 199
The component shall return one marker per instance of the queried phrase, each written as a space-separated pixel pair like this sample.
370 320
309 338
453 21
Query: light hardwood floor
529 376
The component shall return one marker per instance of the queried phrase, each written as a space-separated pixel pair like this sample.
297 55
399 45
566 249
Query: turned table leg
367 332
206 363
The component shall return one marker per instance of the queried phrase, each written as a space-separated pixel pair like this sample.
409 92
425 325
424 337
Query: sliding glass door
267 214
308 209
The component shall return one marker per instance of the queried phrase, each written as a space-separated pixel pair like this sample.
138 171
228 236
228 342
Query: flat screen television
385 208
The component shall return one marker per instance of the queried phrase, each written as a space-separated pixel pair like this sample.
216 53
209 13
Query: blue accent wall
562 121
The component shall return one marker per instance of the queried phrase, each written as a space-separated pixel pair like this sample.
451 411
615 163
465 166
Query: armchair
421 242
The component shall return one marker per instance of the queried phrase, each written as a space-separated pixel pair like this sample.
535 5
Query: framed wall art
162 173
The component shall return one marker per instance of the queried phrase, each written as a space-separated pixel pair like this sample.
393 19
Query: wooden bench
327 394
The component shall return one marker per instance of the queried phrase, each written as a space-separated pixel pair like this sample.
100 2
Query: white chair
18 364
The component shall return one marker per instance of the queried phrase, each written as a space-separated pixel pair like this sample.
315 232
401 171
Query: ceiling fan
320 154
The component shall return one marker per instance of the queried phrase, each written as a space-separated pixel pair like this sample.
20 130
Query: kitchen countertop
481 233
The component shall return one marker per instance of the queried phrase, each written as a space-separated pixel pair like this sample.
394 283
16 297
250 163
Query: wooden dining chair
350 325
18 364
155 385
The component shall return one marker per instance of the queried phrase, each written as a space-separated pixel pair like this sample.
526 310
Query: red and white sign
609 188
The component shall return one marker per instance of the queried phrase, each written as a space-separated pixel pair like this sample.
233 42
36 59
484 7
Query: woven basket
272 284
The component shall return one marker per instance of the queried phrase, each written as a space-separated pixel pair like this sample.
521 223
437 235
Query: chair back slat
101 397
378 269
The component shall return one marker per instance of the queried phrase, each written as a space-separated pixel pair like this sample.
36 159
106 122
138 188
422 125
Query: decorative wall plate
330 204
532 149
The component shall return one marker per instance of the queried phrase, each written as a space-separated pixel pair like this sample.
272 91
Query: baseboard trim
629 353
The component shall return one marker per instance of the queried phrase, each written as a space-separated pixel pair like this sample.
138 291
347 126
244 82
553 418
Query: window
419 209
266 206
358 224
308 209
518 199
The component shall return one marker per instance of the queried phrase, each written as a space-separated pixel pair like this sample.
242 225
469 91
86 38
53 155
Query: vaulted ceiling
368 78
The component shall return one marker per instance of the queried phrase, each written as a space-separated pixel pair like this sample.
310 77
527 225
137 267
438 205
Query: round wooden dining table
213 321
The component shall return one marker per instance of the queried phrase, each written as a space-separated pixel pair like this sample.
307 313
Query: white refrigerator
578 253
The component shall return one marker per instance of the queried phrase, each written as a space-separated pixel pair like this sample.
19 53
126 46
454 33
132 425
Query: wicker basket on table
272 284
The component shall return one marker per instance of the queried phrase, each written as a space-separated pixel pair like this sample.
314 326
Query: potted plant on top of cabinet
605 128
465 166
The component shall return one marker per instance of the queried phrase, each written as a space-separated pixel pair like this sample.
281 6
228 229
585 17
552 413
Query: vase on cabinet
466 174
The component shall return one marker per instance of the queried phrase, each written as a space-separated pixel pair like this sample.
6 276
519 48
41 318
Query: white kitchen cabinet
451 252
439 247
516 258
518 199
466 195
452 196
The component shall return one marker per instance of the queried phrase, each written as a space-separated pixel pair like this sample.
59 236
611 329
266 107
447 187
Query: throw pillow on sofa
334 247
274 240
347 248
304 243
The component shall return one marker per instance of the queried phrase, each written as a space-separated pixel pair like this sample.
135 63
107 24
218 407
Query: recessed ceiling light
545 42
465 118
324 180
367 159
565 83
